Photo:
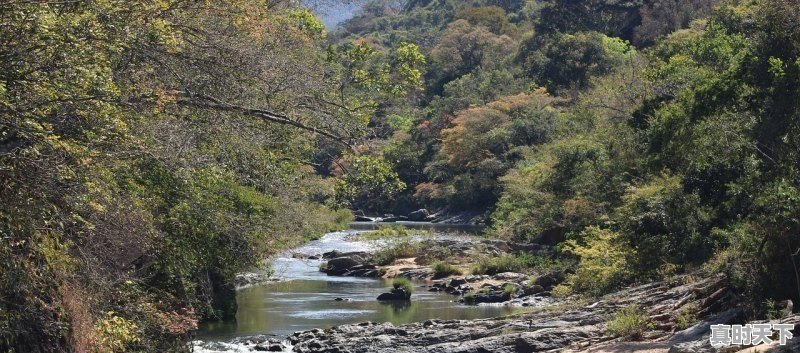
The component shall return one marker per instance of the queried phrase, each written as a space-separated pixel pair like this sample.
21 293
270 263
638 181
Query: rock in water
395 294
420 215
342 263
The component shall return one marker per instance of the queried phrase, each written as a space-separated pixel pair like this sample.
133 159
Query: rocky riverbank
572 327
507 287
443 216
675 315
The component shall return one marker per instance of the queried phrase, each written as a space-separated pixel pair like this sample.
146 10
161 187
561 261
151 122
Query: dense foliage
150 150
658 137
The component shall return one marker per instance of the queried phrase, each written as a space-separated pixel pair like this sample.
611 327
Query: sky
335 14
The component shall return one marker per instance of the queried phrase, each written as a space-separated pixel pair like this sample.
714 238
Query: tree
367 183
482 145
464 48
662 17
564 61
492 17
610 17
144 147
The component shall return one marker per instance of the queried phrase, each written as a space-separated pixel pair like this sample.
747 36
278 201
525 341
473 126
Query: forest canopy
660 132
152 150
149 151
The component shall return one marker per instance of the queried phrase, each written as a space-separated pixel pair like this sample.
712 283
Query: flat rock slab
631 347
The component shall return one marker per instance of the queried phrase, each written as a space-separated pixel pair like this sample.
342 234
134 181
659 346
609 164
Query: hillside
152 150
655 137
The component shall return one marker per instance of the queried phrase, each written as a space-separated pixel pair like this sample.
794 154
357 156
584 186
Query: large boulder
549 280
485 297
342 263
455 282
395 294
420 215
339 266
365 270
534 289
359 256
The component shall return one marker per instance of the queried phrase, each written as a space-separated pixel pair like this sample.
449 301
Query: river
306 299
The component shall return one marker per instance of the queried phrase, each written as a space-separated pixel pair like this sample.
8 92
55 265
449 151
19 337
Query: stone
455 282
510 276
474 278
550 280
420 215
697 332
390 296
534 289
250 279
345 263
395 294
331 254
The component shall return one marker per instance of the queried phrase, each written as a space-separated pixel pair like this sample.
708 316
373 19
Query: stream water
305 299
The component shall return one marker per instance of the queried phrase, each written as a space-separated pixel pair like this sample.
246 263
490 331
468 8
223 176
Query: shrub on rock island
404 284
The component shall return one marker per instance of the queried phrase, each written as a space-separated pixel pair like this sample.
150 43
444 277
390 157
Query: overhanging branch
207 102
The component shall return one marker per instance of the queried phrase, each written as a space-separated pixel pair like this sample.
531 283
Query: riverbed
306 298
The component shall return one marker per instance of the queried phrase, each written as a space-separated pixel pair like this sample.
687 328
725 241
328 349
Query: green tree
368 183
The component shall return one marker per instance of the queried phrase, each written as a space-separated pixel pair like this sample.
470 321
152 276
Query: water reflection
308 299
283 308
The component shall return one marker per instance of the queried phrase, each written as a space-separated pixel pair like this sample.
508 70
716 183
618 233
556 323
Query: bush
385 232
503 263
603 263
666 224
562 291
405 283
469 297
509 290
563 61
542 192
397 250
433 252
441 270
687 316
630 322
